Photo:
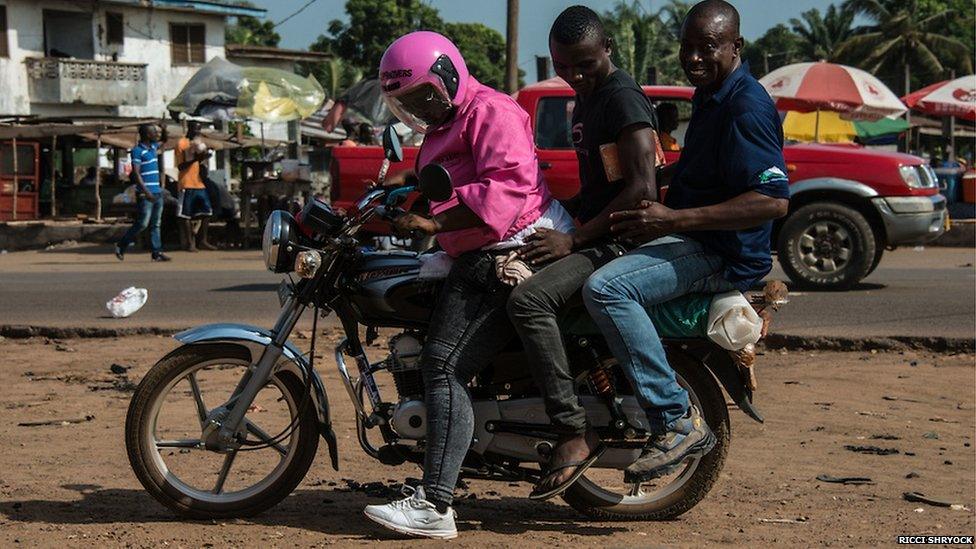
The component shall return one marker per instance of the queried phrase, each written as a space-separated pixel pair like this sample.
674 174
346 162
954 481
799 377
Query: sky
535 17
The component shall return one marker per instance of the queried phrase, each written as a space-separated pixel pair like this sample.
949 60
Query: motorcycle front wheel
163 435
602 493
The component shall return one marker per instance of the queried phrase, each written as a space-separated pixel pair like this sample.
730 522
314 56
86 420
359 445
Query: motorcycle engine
410 414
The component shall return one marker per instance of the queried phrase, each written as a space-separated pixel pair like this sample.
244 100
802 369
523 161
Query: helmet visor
420 107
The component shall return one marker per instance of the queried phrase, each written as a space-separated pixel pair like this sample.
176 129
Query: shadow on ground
332 511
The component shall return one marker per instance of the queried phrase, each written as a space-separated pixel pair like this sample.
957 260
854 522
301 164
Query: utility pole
908 113
511 48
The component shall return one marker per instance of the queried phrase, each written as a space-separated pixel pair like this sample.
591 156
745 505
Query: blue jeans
616 296
150 215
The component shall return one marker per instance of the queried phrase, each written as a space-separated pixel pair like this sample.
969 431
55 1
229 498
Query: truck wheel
827 246
878 252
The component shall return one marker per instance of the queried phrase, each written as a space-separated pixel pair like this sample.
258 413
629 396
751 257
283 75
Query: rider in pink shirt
484 140
488 150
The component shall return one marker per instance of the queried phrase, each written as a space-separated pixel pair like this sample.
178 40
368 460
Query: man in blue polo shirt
146 174
712 234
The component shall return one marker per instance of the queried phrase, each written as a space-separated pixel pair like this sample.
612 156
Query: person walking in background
194 209
146 175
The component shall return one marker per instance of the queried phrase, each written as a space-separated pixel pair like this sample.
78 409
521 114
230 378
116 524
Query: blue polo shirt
145 158
733 144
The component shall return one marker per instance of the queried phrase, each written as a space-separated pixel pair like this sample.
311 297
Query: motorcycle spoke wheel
610 485
603 493
180 412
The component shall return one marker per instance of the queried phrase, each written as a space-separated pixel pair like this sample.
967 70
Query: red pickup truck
848 203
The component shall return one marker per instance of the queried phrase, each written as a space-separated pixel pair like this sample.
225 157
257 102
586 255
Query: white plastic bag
127 302
435 266
732 322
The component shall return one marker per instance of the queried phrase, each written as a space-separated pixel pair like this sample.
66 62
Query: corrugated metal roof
206 6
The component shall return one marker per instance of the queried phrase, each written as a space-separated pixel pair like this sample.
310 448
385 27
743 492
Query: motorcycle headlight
278 243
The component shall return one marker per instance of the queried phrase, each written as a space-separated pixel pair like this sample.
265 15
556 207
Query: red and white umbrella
949 98
808 87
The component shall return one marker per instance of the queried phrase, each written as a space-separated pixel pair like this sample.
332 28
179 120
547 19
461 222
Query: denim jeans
616 297
468 326
534 307
150 215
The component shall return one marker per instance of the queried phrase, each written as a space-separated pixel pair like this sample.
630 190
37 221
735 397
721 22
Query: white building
126 58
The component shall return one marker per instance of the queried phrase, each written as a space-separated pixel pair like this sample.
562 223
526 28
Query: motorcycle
227 425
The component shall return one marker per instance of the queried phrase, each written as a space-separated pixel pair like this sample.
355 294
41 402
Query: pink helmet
415 60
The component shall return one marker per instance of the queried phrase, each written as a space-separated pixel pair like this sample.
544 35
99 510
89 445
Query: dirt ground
71 485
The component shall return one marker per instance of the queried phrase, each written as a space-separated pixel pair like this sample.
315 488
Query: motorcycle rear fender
255 340
719 363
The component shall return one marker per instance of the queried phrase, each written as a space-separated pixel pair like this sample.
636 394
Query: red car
848 203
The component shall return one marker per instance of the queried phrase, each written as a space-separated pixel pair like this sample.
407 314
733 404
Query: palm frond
929 61
880 53
870 8
859 41
929 23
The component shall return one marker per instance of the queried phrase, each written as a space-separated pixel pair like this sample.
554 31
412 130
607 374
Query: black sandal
581 467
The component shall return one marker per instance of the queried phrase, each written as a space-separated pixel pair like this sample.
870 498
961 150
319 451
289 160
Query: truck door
554 143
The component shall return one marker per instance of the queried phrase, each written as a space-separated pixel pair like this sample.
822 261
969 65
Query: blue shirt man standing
147 177
711 234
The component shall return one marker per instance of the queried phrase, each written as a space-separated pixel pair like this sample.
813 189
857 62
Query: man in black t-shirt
613 133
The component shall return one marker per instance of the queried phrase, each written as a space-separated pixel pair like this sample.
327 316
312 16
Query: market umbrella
225 91
813 87
833 128
948 98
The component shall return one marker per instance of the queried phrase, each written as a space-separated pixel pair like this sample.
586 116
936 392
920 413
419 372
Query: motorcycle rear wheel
686 487
146 451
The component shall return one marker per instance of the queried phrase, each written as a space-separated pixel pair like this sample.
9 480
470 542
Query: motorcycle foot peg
392 454
544 448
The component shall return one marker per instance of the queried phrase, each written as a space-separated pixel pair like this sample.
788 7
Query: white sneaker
414 515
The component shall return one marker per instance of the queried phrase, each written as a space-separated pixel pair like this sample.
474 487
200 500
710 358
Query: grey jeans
534 308
468 326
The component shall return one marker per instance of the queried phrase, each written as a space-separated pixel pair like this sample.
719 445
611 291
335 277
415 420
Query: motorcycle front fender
256 340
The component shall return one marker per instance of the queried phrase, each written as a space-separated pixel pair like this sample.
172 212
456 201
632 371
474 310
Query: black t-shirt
615 105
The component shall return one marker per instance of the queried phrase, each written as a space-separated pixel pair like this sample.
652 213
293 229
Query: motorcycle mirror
391 145
435 183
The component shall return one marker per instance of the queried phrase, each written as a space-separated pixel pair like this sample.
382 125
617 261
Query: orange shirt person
194 202
667 122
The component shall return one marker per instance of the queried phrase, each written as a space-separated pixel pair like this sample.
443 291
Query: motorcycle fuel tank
385 290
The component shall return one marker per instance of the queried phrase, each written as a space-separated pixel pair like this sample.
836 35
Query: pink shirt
488 150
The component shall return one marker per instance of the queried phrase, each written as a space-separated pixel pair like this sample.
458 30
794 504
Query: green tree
643 40
906 38
483 49
778 47
822 35
251 31
336 74
672 15
373 25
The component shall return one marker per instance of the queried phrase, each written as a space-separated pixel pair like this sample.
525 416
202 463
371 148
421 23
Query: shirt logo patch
771 174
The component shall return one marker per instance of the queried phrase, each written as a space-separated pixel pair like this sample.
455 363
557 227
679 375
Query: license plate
284 292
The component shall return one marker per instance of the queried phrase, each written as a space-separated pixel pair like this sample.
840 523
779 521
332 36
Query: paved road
930 292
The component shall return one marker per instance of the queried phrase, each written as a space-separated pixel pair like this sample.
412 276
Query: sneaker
689 437
119 252
414 515
161 257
